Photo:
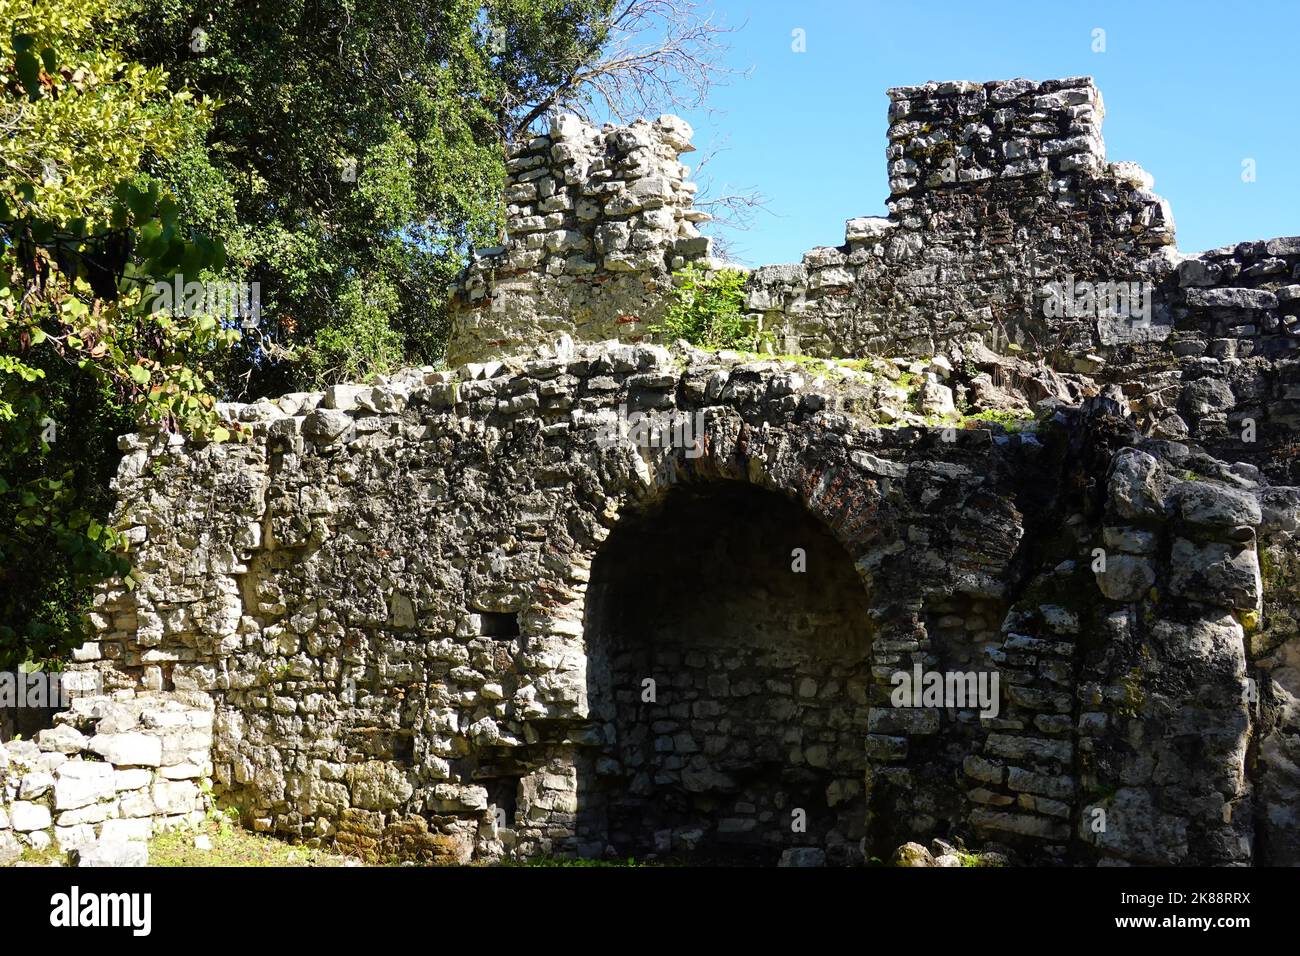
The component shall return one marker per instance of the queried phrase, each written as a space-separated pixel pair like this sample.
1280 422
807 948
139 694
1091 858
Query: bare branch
734 210
731 210
660 56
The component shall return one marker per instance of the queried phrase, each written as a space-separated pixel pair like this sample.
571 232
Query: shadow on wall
728 645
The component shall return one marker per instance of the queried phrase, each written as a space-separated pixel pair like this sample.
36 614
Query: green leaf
28 68
194 261
150 237
140 204
167 209
139 374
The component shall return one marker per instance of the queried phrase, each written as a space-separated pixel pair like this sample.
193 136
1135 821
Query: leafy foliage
83 237
356 158
1011 421
707 311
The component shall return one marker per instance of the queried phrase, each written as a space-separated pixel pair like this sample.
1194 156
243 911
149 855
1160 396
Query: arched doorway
728 644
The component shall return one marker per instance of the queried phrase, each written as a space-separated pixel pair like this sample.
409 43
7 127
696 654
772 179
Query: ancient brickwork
424 611
1229 376
996 190
596 221
393 624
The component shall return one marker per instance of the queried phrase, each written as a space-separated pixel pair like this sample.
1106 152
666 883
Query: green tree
354 160
83 351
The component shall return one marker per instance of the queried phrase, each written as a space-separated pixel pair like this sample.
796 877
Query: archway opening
728 643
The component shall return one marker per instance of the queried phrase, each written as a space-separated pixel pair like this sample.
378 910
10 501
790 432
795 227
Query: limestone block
79 783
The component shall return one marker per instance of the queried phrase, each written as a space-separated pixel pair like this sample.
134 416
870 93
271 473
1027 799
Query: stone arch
841 505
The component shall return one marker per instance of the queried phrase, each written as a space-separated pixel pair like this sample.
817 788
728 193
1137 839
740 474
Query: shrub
707 311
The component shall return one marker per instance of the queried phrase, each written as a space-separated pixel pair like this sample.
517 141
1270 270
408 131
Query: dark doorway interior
749 741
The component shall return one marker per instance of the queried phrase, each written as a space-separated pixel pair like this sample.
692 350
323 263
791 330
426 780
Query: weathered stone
1215 573
61 739
25 816
132 750
1126 577
114 852
326 425
79 783
1136 831
1134 485
1214 506
912 854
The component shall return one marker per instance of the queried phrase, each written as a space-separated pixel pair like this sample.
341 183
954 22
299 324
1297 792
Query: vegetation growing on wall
708 311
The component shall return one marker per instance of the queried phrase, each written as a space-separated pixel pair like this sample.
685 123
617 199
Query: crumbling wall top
597 219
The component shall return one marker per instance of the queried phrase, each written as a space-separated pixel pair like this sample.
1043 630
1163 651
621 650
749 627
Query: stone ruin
589 594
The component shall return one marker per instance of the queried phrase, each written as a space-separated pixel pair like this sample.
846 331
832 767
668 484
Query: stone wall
1228 377
385 594
110 773
424 610
995 190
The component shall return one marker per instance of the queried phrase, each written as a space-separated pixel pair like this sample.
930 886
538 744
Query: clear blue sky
1191 89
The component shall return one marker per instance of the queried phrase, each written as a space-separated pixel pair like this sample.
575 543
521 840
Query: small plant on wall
707 311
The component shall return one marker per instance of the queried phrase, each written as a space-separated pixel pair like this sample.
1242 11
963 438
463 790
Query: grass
1011 422
974 859
50 856
548 861
234 846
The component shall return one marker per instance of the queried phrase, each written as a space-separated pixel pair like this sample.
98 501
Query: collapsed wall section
108 775
996 191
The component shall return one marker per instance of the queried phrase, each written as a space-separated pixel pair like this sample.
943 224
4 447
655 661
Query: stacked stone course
596 222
